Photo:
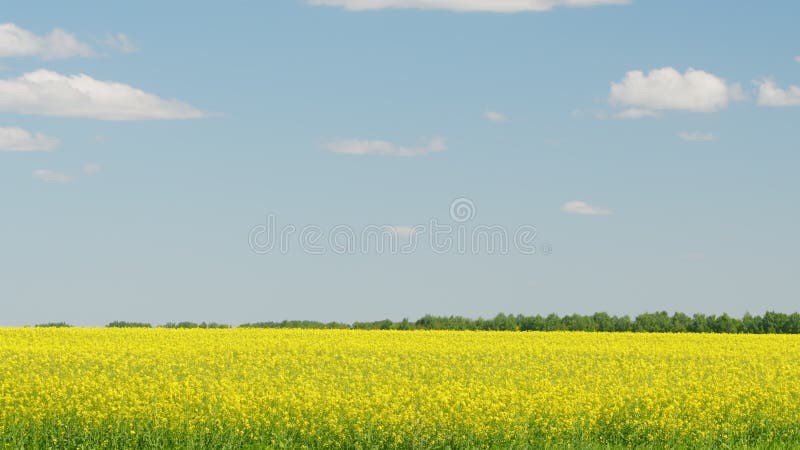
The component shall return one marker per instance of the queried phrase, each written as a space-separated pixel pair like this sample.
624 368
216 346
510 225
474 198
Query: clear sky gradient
130 193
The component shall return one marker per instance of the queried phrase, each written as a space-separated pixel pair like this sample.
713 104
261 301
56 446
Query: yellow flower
349 388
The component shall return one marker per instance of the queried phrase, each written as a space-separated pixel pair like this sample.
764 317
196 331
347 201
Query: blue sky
653 145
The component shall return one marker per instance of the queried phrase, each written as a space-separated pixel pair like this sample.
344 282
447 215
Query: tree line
659 322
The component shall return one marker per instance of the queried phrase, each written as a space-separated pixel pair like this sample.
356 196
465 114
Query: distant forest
659 322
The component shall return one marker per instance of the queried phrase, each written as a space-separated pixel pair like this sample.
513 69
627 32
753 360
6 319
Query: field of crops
233 388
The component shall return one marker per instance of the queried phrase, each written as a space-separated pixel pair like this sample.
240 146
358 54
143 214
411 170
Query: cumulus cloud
14 139
769 94
668 89
378 147
58 44
797 58
49 93
494 116
91 168
120 42
635 113
583 208
695 136
50 176
498 6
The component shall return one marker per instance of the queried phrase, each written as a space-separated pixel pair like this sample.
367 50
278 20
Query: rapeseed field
261 388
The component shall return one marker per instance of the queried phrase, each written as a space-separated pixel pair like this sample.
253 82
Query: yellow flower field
229 388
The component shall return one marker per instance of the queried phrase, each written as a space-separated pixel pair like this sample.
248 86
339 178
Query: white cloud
58 44
693 256
14 139
797 58
668 89
769 94
579 207
51 94
50 176
635 113
377 147
494 116
498 6
120 42
91 168
696 136
401 231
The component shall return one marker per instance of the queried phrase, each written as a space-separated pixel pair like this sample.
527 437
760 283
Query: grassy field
234 388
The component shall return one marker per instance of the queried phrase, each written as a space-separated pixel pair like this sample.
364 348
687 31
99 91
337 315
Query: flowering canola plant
229 388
